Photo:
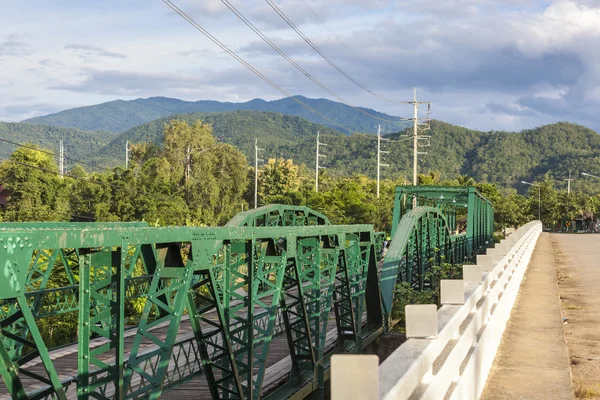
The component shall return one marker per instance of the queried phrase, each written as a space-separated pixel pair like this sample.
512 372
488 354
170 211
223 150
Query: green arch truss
279 215
272 271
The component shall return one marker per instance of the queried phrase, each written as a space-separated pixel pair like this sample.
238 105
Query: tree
36 191
191 180
86 193
277 181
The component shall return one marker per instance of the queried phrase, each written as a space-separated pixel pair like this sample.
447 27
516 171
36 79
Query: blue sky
484 64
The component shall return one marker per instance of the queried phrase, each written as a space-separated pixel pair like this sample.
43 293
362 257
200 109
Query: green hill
275 132
504 158
78 143
120 115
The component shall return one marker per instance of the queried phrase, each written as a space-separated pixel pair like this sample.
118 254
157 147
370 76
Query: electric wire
54 154
198 27
55 173
323 55
363 62
297 66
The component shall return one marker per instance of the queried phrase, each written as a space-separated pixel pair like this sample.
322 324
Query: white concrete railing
450 350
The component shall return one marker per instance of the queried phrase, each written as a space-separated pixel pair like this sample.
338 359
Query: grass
572 307
561 277
586 392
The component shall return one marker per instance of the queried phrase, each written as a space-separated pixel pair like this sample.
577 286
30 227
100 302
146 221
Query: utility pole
416 122
61 160
127 155
379 152
256 160
569 183
317 167
188 163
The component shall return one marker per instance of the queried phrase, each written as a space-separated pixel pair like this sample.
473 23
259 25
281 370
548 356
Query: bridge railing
450 350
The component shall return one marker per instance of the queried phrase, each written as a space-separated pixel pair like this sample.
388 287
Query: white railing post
450 350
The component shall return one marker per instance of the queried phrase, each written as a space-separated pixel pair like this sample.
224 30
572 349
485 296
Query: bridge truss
276 270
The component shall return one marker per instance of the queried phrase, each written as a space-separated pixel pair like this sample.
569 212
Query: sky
484 64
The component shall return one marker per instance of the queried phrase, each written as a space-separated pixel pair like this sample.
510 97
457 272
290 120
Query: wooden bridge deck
65 362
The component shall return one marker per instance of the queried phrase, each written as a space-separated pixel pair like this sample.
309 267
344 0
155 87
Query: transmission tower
127 154
256 160
419 124
317 162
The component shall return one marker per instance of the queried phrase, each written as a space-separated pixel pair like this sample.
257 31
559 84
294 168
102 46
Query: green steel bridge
215 303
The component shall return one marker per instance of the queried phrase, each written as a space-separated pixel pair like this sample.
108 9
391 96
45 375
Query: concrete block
452 291
486 261
354 377
472 274
421 320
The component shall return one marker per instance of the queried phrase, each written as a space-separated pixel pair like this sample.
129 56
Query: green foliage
456 154
156 188
405 294
78 143
35 194
218 183
278 181
275 132
498 157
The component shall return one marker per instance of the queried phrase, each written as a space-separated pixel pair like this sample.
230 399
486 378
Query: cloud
205 84
19 112
510 109
88 50
14 45
487 64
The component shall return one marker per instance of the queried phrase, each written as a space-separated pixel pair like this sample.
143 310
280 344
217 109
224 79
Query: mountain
504 158
78 143
274 131
120 115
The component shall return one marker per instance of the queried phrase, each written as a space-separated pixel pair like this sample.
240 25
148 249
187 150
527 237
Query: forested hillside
192 179
78 143
239 128
120 115
504 158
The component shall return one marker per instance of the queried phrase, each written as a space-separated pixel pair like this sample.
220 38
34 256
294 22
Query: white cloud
517 63
88 50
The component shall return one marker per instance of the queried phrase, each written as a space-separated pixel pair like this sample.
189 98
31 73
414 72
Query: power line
363 62
323 55
192 22
295 64
54 172
53 154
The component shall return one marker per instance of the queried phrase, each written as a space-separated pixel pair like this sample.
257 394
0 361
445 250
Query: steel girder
273 270
450 200
421 241
239 286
